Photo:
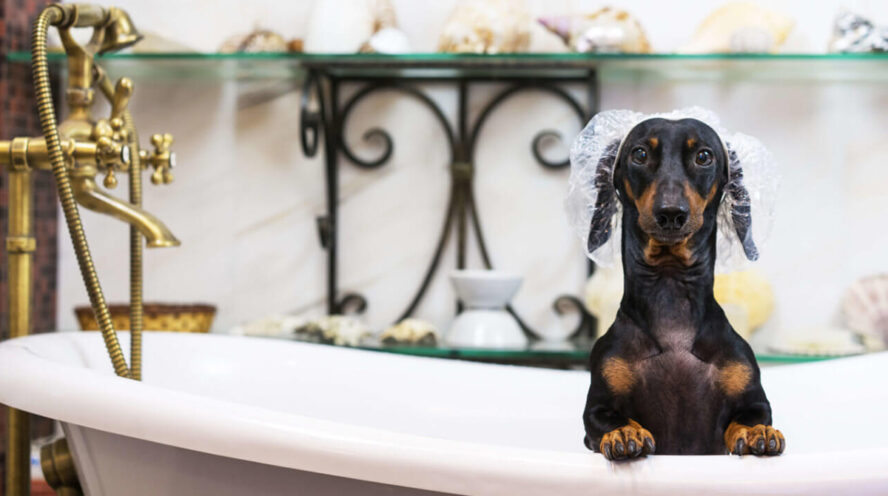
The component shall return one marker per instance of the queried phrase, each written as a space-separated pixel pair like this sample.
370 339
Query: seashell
606 30
752 39
388 40
817 341
738 317
345 26
154 43
411 331
740 27
864 309
854 34
487 26
295 45
260 40
334 329
746 297
750 290
542 40
271 326
602 296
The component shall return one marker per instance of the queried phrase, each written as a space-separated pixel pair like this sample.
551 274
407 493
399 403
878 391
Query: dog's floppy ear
741 211
600 226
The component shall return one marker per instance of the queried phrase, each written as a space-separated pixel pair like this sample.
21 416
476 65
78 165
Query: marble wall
245 199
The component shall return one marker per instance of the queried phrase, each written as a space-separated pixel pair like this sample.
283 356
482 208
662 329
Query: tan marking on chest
618 375
656 253
733 378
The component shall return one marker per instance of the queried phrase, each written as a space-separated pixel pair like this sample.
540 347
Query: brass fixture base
58 468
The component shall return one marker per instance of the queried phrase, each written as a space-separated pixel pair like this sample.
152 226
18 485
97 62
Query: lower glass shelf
543 354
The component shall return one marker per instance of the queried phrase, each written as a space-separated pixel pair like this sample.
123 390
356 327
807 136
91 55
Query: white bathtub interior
421 423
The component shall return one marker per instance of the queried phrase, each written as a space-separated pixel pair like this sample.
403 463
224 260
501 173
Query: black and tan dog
671 375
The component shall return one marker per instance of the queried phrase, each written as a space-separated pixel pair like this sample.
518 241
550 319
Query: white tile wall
245 198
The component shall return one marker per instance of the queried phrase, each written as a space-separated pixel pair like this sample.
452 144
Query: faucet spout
87 193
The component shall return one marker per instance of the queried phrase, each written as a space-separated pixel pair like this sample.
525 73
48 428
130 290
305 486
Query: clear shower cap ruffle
750 166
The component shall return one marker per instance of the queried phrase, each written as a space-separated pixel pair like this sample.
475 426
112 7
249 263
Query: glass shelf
558 355
609 67
197 66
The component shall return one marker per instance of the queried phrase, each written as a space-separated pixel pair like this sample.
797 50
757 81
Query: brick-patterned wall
18 117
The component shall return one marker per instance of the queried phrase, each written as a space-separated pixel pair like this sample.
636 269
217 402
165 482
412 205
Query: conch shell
740 27
487 26
346 26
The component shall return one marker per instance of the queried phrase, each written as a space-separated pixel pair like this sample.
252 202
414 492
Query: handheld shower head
116 33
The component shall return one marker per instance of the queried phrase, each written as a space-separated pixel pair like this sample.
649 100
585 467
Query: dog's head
673 175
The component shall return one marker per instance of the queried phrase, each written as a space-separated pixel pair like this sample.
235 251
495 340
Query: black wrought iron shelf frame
325 116
325 111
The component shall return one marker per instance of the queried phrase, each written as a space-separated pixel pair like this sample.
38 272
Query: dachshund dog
671 375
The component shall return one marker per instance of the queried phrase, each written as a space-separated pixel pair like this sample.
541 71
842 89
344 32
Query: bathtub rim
334 448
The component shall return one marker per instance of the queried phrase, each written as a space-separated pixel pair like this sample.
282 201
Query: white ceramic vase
484 322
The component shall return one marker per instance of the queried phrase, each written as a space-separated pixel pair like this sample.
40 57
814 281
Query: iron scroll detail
328 123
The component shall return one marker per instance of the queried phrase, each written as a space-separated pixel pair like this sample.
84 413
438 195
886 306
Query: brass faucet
100 152
77 151
110 135
88 194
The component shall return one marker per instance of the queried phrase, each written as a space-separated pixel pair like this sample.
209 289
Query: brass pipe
136 298
20 246
40 74
34 153
136 265
80 15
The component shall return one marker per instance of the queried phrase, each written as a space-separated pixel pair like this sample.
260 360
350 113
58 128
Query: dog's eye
639 155
704 157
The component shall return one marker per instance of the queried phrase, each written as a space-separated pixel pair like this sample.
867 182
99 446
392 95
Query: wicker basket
156 317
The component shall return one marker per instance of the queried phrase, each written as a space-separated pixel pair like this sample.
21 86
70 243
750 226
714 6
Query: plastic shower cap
749 192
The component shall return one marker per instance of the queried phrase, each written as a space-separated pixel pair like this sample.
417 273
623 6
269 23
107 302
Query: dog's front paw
630 441
760 440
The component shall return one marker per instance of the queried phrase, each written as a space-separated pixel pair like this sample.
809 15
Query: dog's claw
758 440
629 441
759 447
649 446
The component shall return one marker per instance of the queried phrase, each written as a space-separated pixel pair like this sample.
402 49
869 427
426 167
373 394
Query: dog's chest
676 370
677 397
676 367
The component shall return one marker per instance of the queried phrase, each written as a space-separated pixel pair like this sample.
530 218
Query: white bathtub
231 416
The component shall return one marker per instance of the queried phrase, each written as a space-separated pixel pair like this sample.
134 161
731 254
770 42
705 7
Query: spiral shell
607 30
865 310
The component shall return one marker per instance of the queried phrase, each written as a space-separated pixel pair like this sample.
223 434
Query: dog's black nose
671 218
